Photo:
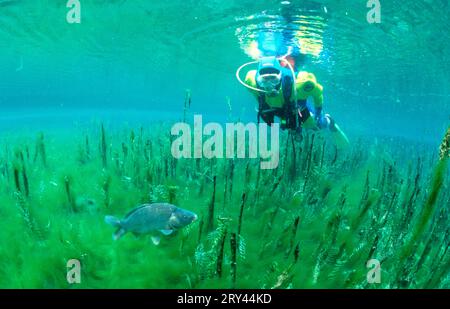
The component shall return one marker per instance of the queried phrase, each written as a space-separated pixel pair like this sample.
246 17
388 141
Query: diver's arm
317 95
250 79
307 86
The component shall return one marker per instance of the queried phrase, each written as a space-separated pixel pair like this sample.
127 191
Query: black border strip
290 298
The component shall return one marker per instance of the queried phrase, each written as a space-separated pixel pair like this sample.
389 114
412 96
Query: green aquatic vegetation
313 222
233 263
40 149
210 222
103 147
444 149
187 103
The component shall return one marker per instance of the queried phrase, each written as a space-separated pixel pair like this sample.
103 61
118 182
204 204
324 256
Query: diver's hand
318 117
318 113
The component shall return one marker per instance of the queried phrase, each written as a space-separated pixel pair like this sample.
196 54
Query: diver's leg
293 122
307 119
268 117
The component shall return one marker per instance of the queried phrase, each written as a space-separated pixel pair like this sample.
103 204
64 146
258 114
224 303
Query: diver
281 92
282 89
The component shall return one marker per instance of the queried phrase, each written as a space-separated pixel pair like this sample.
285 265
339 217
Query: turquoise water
388 78
128 64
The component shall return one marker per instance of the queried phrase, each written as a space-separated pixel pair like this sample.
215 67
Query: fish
151 218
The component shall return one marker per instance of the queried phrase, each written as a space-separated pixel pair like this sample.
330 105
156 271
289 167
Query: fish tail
116 223
113 221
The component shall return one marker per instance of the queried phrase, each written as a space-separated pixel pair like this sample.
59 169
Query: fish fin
156 240
173 220
167 232
111 220
119 233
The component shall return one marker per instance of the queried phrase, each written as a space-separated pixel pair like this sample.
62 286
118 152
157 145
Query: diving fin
340 138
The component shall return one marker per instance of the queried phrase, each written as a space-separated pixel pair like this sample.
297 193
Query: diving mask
268 77
269 83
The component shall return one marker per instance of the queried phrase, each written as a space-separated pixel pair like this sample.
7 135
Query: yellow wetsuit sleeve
307 86
250 79
318 96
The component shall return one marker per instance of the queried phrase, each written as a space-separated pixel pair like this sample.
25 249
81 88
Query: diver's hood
268 76
268 65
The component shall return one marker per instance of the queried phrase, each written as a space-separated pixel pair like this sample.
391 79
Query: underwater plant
313 222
